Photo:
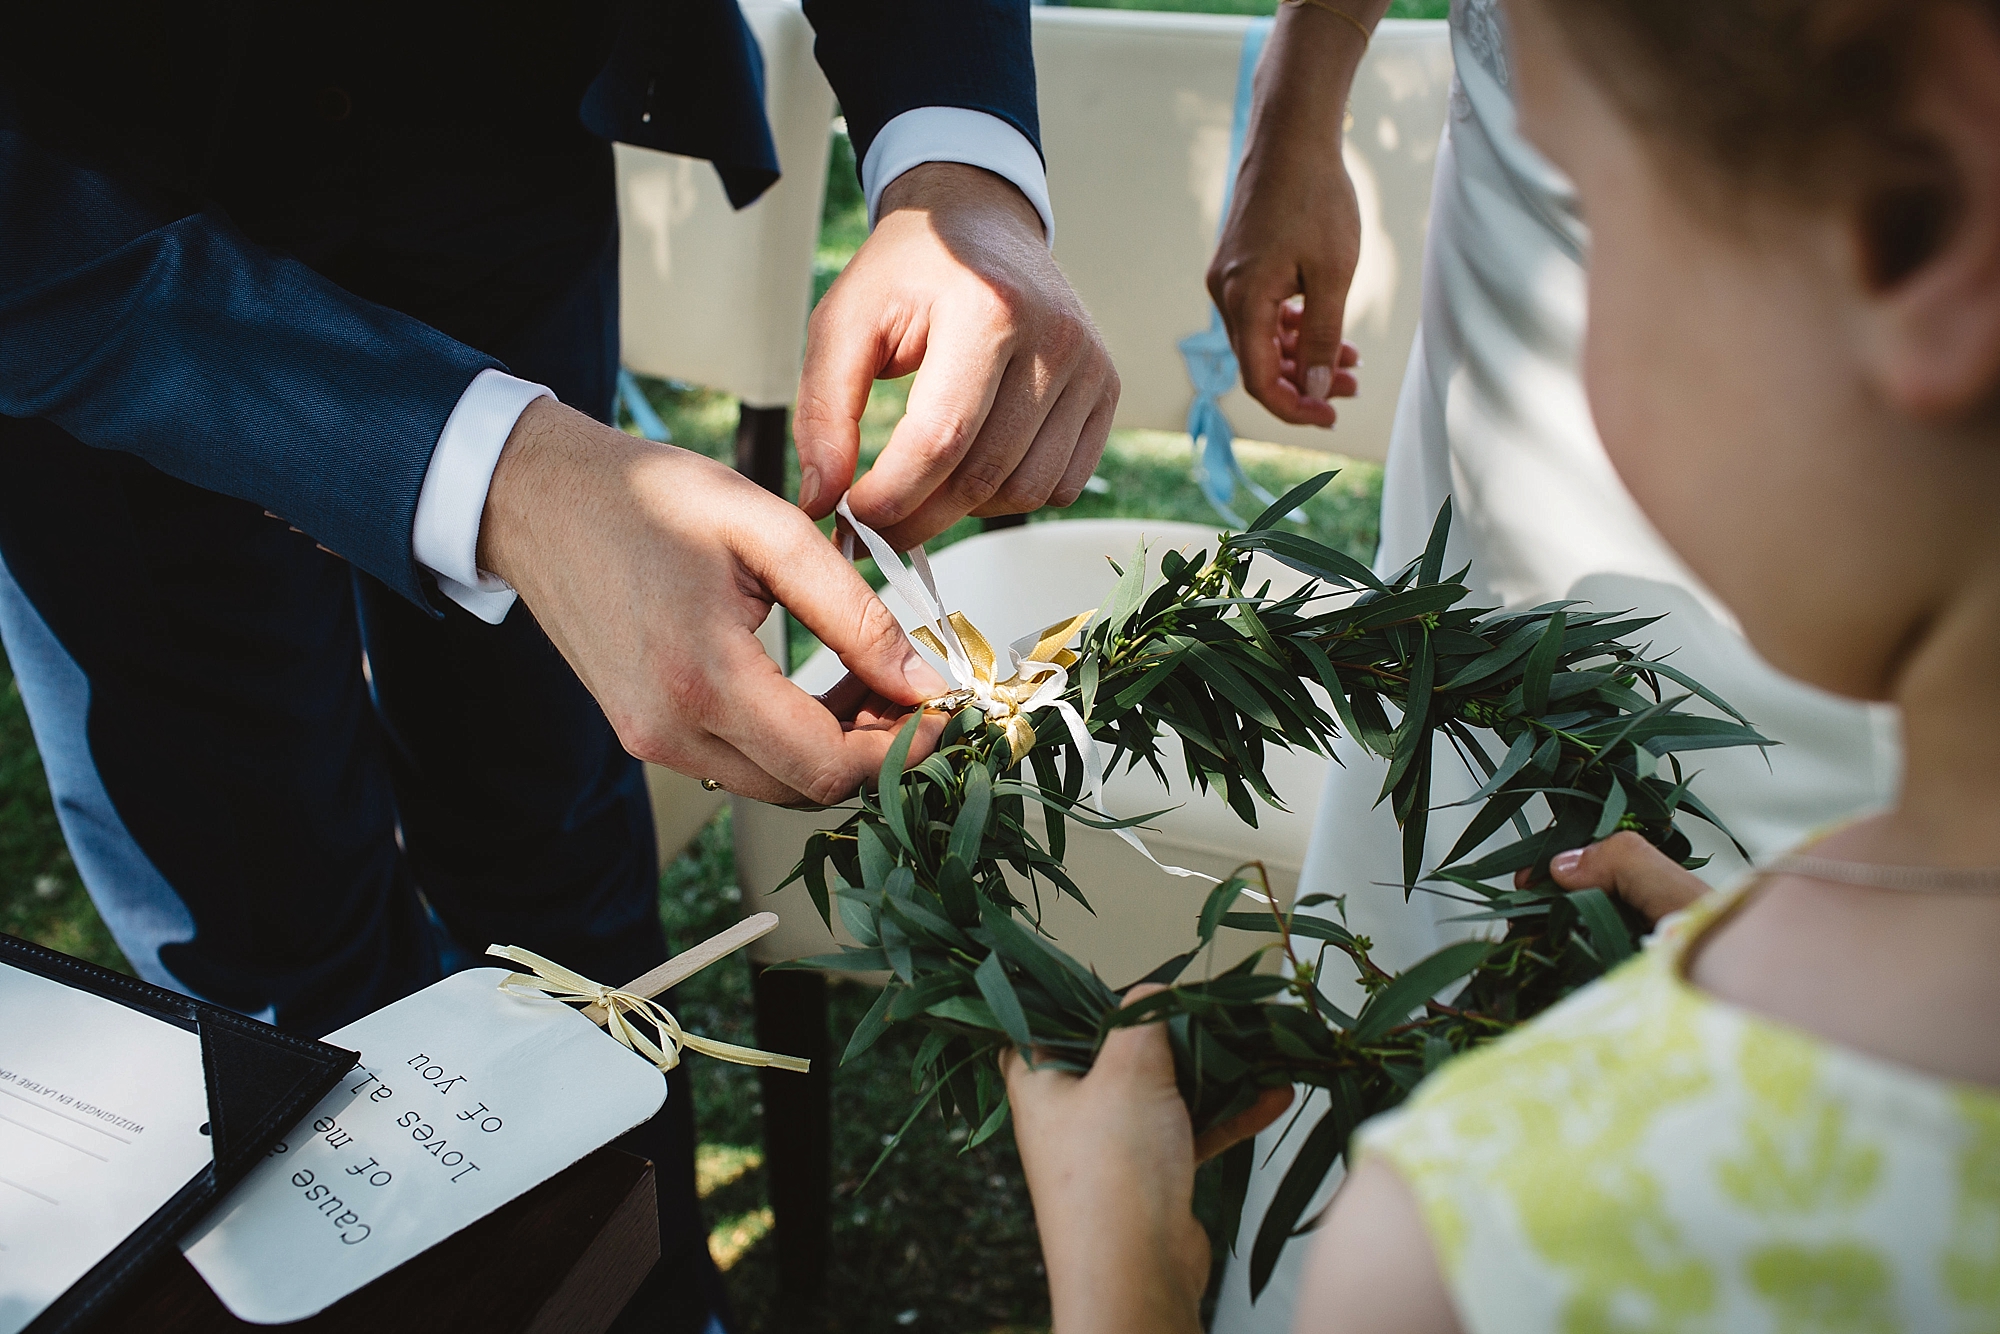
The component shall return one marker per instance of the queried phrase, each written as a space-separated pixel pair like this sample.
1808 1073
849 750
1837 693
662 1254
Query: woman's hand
1627 865
1110 1161
1294 228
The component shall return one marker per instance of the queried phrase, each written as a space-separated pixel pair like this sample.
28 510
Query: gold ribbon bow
548 978
1026 688
1037 676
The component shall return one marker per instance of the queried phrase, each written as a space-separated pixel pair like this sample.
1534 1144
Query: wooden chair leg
798 1132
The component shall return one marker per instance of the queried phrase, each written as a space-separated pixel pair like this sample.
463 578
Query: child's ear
1929 243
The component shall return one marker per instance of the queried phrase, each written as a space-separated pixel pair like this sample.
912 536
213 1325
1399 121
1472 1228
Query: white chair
717 297
1136 112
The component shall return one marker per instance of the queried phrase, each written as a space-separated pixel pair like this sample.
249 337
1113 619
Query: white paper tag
466 1096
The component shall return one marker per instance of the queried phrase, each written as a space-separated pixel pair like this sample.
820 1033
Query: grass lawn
941 1241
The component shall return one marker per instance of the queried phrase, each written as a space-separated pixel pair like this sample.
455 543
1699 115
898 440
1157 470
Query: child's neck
1904 976
1948 813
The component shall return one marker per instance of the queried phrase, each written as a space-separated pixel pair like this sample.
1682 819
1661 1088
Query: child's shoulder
1643 1153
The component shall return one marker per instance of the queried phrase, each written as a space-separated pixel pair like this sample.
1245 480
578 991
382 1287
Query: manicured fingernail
1565 862
1319 380
808 487
921 677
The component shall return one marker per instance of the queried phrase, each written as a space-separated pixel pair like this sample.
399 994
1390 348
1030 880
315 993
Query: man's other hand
652 568
1014 390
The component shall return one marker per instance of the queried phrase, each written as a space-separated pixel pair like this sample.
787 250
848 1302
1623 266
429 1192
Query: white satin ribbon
914 583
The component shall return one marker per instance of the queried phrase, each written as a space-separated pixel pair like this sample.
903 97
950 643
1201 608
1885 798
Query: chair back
714 296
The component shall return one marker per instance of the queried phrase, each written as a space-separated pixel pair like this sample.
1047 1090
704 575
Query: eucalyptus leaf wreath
1567 723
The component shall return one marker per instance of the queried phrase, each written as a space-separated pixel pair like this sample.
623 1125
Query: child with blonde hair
1785 1114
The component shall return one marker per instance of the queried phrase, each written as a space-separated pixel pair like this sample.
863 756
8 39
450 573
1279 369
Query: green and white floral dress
1646 1157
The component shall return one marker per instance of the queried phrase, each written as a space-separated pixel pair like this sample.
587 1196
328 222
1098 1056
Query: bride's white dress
1492 415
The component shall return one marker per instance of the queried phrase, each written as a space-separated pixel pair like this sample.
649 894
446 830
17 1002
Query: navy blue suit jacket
140 311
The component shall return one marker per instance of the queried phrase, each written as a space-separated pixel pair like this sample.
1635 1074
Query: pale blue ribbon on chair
1211 365
640 410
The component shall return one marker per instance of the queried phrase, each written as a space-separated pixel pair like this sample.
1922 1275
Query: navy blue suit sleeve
885 57
177 339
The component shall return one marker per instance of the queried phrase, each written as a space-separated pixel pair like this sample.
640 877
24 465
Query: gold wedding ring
711 784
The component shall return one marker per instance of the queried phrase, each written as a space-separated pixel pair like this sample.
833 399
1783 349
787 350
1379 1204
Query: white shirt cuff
445 538
956 134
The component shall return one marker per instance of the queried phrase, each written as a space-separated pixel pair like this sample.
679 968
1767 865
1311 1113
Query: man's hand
1294 229
1014 391
651 569
1110 1161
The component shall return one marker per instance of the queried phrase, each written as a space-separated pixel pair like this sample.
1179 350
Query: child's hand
1627 865
1110 1161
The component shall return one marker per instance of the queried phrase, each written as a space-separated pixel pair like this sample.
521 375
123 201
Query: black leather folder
260 1083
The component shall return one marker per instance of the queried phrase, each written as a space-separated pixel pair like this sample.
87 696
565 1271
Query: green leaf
1372 723
896 946
971 1010
889 782
1303 1179
1290 501
968 831
1412 735
1313 928
1433 561
1128 592
1406 606
1238 1162
956 890
1509 651
872 1025
859 919
1416 821
1044 764
1136 692
1309 557
987 1128
1540 666
814 867
1614 811
991 975
1689 683
1515 760
1216 905
876 858
1392 1004
845 960
1230 685
1057 972
1608 936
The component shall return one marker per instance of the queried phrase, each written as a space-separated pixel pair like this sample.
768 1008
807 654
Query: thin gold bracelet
1337 13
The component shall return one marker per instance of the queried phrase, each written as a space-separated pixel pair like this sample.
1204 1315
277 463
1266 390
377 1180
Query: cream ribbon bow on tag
609 1006
1038 670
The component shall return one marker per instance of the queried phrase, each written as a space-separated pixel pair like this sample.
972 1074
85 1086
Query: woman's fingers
1627 865
1270 1105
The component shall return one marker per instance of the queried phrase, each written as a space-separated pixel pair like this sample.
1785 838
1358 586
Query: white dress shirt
445 537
